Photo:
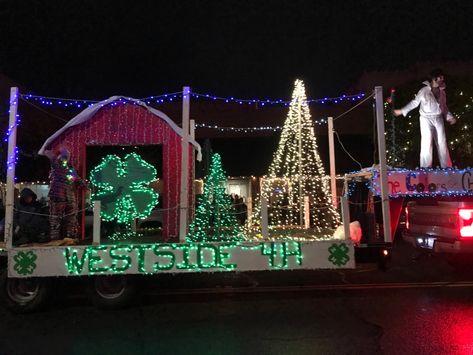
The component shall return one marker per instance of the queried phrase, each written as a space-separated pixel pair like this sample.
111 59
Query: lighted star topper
121 186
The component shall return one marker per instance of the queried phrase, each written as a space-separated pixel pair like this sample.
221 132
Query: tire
111 292
24 295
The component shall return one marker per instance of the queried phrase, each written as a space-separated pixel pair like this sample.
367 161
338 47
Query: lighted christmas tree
297 172
215 215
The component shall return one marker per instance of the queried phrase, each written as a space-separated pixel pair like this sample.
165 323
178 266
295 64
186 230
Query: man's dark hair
434 74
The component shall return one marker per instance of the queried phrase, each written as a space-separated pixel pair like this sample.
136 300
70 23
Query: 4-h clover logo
120 185
338 254
25 262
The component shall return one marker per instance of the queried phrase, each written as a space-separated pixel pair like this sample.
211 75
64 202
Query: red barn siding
130 124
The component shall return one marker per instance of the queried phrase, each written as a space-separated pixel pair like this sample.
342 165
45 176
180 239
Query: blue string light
10 128
12 159
261 102
171 97
420 191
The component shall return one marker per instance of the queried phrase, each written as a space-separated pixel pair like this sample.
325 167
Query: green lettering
96 259
282 251
141 256
122 257
272 251
295 251
75 264
200 256
185 256
163 254
222 258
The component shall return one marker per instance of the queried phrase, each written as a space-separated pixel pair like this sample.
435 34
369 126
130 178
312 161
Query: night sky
248 49
95 49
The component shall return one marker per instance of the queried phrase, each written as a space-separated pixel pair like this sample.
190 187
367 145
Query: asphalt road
420 306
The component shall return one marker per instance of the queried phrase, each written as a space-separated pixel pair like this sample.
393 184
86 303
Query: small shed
120 121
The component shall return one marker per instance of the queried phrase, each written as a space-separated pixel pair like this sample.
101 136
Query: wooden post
192 129
11 162
331 147
383 173
345 216
192 134
249 211
301 200
97 222
306 212
184 198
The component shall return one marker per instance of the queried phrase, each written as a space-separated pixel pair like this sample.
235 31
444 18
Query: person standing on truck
433 111
62 200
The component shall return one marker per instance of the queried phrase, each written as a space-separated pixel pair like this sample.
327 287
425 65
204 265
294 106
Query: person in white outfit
433 111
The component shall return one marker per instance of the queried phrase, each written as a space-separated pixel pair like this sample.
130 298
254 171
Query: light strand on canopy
198 125
173 96
263 102
250 129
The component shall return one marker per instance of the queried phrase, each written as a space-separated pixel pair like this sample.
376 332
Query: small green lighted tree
215 215
120 185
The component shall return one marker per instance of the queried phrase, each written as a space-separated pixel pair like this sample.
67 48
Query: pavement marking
342 287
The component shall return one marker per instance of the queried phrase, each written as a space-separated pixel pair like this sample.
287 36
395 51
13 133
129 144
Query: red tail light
465 222
406 212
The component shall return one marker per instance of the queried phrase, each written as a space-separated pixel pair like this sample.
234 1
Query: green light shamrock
338 254
25 262
120 185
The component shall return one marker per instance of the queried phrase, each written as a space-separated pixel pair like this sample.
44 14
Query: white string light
297 171
250 129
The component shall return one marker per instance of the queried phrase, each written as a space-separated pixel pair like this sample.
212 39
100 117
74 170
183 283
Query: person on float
30 224
62 199
433 111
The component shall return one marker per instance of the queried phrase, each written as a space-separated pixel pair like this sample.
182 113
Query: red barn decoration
124 121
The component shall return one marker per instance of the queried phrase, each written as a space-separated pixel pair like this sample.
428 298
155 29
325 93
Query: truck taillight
465 222
406 212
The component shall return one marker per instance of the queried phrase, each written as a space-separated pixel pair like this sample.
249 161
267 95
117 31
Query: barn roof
90 111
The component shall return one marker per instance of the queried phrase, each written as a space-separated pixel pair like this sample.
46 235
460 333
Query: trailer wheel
24 295
111 292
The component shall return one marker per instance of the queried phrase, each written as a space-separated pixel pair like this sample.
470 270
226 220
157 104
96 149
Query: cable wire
370 95
43 110
346 151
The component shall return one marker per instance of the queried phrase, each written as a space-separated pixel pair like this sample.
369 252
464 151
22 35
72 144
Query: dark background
249 49
240 48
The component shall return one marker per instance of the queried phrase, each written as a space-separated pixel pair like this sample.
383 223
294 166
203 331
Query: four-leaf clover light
121 186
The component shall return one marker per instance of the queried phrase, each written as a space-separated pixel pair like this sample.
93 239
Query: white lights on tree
296 172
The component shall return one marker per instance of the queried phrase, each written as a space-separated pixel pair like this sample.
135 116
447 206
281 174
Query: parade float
108 144
297 222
